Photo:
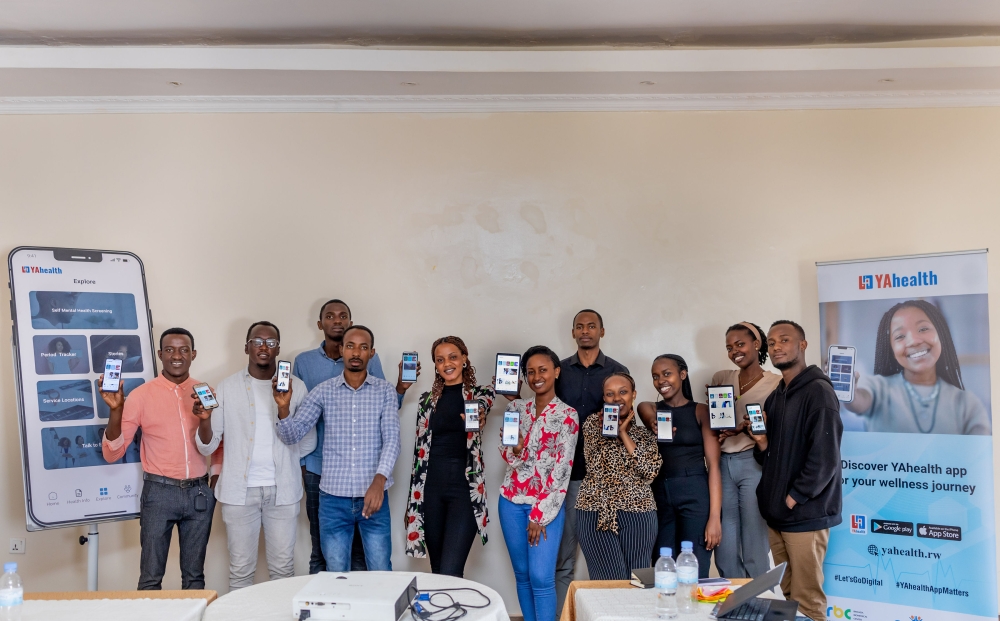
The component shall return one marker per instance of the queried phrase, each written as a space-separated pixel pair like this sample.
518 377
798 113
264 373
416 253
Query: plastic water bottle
666 585
11 593
687 579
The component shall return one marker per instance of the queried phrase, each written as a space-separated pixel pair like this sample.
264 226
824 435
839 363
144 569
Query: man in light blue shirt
360 447
314 367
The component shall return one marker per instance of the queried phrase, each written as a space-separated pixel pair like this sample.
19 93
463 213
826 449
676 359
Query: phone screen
508 368
722 407
409 366
756 418
72 310
284 376
112 375
609 427
842 371
664 425
472 416
511 425
205 396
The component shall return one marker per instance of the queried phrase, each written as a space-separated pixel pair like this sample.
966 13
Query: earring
465 364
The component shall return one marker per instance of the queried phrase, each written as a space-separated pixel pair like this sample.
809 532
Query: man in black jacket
799 493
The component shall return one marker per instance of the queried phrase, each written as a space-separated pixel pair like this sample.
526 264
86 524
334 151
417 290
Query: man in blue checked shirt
360 447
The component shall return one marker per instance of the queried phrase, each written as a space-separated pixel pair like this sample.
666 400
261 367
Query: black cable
424 607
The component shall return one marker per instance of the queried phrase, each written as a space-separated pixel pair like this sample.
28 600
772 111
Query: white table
114 609
272 601
630 604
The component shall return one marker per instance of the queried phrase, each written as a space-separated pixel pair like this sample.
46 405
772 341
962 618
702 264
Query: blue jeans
534 566
337 517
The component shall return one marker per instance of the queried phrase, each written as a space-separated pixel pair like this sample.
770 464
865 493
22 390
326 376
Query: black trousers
163 506
449 522
613 556
682 508
316 561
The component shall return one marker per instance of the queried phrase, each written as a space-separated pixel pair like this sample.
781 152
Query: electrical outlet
17 546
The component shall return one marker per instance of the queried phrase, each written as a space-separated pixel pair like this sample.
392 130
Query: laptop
744 605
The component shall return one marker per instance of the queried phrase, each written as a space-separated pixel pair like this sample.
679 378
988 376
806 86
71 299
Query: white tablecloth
272 601
114 609
629 605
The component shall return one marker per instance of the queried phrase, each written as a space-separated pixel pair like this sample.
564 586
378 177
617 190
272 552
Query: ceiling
480 23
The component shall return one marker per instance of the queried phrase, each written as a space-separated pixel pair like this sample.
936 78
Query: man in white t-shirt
260 482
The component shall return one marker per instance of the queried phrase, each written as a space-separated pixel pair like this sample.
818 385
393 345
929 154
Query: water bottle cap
687 546
9 567
666 552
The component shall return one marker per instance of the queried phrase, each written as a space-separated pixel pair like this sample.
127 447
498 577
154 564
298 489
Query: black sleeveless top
448 427
687 451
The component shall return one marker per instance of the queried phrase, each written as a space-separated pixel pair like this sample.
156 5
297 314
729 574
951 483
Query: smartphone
842 360
722 407
409 366
472 416
112 375
508 373
206 396
664 423
756 418
609 426
284 376
511 425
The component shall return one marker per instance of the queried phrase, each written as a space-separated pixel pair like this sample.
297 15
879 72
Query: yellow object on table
569 606
713 595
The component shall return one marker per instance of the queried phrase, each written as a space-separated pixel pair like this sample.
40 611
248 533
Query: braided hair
468 371
682 365
762 352
631 381
886 364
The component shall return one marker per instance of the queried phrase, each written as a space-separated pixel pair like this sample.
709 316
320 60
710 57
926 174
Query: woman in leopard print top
615 511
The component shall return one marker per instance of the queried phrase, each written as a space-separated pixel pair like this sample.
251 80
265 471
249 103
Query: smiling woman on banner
917 386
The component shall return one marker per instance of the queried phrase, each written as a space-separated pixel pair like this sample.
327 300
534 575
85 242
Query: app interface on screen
664 422
511 421
507 369
409 367
72 317
284 376
205 396
112 374
841 372
721 405
610 426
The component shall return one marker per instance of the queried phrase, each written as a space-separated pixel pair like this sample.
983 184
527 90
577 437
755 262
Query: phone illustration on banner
722 407
112 375
664 424
511 425
409 366
756 419
841 373
206 396
472 416
609 426
508 371
284 376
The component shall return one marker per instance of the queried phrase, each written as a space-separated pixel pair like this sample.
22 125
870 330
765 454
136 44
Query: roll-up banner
905 341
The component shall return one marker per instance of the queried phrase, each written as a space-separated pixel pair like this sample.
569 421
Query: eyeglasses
259 342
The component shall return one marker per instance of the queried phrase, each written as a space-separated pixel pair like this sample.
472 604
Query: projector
355 596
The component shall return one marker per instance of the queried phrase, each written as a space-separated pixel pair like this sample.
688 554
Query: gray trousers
742 553
243 524
566 561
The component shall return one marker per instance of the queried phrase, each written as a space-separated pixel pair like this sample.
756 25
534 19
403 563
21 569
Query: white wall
492 227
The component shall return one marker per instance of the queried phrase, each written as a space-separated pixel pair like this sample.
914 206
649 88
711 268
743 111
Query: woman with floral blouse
447 504
615 511
534 488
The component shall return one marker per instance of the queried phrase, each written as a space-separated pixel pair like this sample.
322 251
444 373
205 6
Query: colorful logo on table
893 281
34 269
834 612
859 524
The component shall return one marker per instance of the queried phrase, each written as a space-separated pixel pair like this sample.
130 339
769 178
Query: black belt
181 483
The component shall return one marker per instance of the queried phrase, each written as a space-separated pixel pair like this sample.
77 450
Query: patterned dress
416 544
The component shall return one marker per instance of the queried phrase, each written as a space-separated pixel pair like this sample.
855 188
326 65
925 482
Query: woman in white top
742 553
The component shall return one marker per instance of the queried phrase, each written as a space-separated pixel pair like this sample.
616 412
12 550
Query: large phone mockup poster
72 310
918 540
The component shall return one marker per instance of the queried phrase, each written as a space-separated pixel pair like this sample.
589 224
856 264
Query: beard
782 366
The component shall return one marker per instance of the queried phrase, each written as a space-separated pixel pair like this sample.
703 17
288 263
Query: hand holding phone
112 377
507 379
756 417
206 399
511 425
609 426
664 423
408 374
471 416
722 407
284 383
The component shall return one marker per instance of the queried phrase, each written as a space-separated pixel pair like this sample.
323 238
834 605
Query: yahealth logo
892 281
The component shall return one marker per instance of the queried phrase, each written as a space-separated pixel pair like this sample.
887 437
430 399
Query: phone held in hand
756 419
472 416
508 371
842 371
409 366
722 407
284 376
206 396
112 375
609 426
664 423
511 425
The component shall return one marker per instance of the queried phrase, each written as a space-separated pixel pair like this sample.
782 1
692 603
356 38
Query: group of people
335 436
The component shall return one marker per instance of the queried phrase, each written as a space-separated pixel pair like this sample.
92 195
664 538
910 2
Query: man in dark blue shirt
580 385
